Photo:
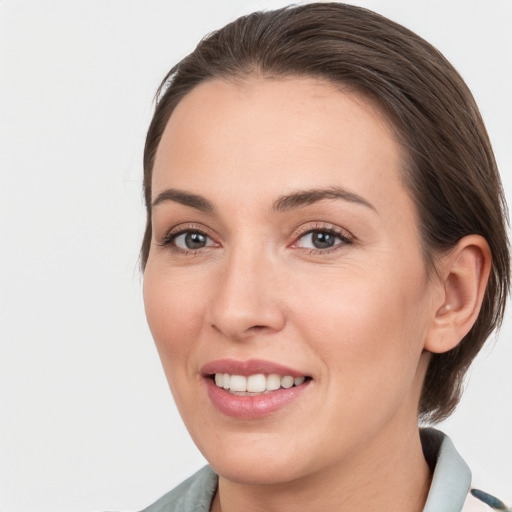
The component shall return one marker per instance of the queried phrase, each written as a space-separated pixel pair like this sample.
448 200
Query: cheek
367 326
173 307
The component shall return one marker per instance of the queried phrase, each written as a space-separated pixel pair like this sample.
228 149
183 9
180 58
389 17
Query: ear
463 273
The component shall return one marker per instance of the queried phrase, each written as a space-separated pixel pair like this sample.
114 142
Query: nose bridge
246 299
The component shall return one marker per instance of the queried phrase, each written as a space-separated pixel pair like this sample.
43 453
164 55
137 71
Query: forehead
288 133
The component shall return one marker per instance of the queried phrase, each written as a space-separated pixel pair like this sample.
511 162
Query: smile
253 389
256 384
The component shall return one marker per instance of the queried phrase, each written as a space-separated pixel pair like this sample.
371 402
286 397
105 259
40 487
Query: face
286 252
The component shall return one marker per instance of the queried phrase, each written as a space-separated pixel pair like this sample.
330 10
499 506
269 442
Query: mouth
256 384
253 389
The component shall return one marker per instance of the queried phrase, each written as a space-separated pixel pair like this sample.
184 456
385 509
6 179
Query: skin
356 317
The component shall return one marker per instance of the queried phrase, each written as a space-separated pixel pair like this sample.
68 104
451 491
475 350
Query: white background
86 420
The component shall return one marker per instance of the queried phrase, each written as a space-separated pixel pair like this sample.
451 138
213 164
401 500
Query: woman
325 254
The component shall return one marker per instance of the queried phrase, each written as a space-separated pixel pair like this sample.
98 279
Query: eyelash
169 240
344 237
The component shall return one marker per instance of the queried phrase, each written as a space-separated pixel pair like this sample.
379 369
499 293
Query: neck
389 474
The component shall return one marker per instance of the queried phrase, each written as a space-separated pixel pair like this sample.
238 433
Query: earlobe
464 272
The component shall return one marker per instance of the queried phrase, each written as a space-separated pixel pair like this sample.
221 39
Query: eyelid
345 236
323 226
168 238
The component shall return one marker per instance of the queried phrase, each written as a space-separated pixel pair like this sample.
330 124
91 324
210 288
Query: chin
259 461
256 471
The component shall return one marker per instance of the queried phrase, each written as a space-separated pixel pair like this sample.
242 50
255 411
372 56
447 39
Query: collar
451 479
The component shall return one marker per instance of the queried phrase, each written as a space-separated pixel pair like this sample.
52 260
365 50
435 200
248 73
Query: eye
192 240
188 240
318 240
322 240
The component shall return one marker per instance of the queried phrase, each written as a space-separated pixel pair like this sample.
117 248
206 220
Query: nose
246 301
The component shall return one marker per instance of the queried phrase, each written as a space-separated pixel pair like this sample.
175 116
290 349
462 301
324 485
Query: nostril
258 329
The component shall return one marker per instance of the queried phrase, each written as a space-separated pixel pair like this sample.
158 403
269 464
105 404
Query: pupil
195 240
322 240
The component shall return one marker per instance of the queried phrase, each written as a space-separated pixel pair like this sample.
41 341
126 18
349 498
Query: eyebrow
185 198
307 197
284 203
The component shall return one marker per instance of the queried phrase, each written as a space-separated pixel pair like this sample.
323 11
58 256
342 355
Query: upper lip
249 367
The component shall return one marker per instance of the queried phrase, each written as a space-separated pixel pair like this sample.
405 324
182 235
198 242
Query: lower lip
252 407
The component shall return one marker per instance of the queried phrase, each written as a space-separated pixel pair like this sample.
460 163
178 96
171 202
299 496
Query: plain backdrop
86 419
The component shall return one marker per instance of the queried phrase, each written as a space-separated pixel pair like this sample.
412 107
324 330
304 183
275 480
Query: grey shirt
448 492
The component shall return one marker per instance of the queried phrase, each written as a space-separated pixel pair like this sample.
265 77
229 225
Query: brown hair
451 171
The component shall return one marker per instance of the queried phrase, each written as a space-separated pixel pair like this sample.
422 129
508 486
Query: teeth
258 383
238 383
273 382
286 382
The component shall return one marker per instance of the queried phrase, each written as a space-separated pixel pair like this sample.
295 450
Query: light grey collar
452 478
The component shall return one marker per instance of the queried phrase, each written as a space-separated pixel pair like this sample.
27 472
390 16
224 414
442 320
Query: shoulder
193 495
480 501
